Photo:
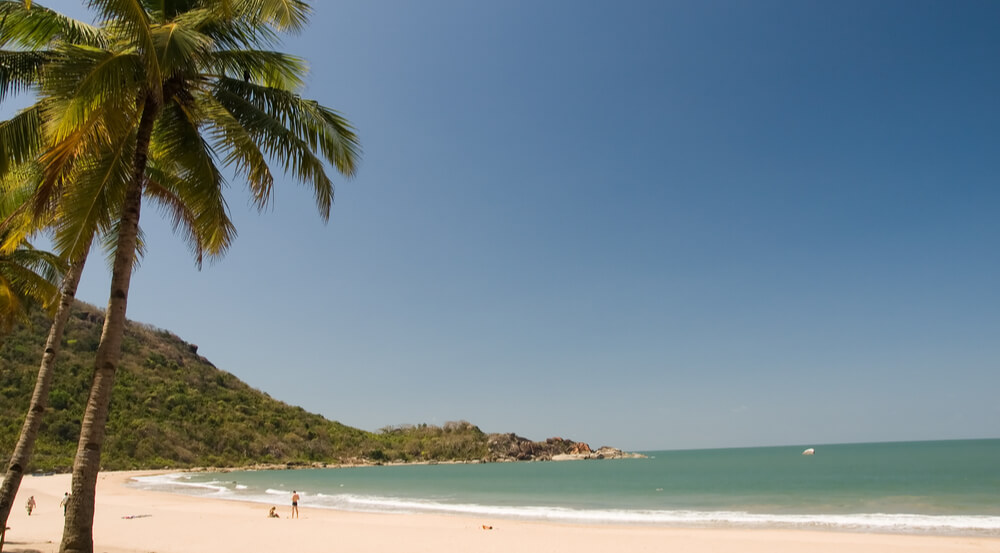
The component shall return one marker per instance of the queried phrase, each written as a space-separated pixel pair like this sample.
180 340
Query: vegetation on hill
173 408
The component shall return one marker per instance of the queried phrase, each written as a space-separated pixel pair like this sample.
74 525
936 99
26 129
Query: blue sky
641 224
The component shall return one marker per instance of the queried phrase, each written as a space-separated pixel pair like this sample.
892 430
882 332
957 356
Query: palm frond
85 114
183 164
56 162
17 218
179 47
20 138
129 19
272 69
34 27
284 15
19 71
228 30
202 236
12 308
16 187
334 136
279 142
241 151
83 83
89 206
27 276
35 269
291 130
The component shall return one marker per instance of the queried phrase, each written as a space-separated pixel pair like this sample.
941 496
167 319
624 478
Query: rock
511 447
90 317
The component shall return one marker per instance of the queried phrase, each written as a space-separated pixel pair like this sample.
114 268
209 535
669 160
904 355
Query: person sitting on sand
273 513
30 505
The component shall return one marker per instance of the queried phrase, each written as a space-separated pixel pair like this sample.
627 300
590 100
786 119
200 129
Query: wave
179 482
884 522
977 525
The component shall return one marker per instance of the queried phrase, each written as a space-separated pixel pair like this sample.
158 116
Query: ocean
940 487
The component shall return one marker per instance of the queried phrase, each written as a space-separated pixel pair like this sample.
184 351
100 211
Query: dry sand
181 524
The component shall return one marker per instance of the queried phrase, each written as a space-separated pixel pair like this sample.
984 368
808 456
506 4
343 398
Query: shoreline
131 520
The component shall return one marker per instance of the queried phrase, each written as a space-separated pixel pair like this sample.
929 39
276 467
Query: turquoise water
946 487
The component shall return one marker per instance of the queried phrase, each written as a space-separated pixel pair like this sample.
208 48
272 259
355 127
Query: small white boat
809 451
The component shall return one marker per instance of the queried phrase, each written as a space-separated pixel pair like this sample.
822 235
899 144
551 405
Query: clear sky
640 224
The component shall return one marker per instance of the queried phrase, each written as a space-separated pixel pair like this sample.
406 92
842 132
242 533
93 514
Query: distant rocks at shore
604 452
511 447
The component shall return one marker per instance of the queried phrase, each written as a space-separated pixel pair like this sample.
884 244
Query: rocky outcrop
90 317
606 452
511 447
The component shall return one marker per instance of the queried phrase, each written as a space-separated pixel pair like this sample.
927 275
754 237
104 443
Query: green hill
173 408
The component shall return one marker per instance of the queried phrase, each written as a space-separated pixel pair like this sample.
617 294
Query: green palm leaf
273 69
19 71
183 163
285 15
179 48
91 204
128 18
20 138
241 151
168 192
34 27
84 85
290 129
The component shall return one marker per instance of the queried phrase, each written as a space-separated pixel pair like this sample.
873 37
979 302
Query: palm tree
20 139
88 208
184 87
10 230
39 399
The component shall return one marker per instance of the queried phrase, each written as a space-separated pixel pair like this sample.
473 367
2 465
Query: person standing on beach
64 503
295 504
31 505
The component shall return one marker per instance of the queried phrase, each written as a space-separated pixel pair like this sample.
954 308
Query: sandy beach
136 521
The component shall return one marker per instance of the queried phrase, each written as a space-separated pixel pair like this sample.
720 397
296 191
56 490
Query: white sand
182 524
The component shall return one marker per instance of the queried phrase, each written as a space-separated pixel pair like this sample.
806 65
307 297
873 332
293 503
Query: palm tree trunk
40 398
78 529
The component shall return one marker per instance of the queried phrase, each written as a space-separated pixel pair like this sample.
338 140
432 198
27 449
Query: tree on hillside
189 81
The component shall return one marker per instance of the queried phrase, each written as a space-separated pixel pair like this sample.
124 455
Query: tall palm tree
39 399
31 33
98 170
187 86
14 226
